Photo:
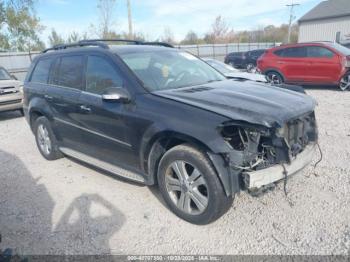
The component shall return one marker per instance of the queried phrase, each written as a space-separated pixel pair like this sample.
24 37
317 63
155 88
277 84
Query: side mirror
14 77
116 94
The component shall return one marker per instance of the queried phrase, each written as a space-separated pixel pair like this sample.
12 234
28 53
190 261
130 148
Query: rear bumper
11 102
260 178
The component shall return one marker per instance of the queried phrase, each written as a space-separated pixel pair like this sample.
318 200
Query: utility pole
131 36
291 18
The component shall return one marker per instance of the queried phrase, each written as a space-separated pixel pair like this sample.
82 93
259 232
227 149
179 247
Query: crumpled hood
248 76
251 102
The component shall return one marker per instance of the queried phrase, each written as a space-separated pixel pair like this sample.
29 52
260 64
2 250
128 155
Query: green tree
19 26
55 38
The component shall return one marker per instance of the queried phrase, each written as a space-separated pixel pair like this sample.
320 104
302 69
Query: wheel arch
166 140
269 70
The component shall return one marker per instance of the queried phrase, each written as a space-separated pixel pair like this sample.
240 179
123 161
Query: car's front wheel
45 139
251 68
190 185
345 82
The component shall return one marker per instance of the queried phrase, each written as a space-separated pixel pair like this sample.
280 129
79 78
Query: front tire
251 68
345 82
191 187
46 140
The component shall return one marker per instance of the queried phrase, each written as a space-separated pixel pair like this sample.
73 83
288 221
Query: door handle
49 98
85 108
280 62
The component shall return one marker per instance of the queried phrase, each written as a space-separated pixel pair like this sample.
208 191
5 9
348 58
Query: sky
151 17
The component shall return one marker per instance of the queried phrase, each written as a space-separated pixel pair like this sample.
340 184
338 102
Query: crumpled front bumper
257 179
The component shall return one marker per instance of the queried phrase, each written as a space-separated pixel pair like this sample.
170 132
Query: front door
103 122
324 65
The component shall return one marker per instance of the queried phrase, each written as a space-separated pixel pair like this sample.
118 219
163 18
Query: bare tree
168 36
106 21
219 29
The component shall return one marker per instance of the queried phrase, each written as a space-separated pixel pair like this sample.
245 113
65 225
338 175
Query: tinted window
318 51
294 52
279 52
100 75
41 71
70 72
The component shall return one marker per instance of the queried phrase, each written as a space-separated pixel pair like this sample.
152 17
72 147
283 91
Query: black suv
247 60
158 115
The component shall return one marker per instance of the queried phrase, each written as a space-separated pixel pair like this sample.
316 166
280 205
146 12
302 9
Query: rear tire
275 78
191 187
46 140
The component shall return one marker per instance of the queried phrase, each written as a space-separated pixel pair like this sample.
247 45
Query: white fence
17 63
219 51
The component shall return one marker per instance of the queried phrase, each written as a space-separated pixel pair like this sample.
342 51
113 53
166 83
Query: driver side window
101 75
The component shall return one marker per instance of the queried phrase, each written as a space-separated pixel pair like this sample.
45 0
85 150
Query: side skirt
103 165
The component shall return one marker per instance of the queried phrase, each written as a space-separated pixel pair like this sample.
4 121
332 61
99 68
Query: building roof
328 9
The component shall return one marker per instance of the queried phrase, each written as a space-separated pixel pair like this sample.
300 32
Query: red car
322 63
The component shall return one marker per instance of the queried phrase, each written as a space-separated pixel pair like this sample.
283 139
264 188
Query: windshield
4 75
342 49
221 67
170 69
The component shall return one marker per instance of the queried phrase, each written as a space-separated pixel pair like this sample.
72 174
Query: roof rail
136 42
100 43
79 44
158 44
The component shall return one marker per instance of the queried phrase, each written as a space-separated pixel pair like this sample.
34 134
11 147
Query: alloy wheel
44 139
345 82
274 78
251 68
187 188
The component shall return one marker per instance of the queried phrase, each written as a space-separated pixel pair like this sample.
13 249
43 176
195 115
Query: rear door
293 64
324 65
66 82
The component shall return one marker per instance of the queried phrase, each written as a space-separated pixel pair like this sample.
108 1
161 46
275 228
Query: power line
291 18
131 35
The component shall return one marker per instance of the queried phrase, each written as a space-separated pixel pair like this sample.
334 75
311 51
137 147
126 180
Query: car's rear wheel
345 82
274 78
190 185
45 139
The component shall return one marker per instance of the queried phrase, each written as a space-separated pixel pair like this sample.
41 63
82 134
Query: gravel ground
64 207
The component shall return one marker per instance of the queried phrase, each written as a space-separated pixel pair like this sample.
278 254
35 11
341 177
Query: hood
247 76
10 83
251 102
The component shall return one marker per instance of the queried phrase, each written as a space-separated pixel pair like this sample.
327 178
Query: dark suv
247 60
158 115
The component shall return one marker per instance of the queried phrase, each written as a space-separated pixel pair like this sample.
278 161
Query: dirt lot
67 208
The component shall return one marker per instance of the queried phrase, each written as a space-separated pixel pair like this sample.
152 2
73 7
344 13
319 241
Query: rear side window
319 52
101 75
294 52
291 52
69 72
41 71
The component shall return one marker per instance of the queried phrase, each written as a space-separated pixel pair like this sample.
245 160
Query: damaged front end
261 156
